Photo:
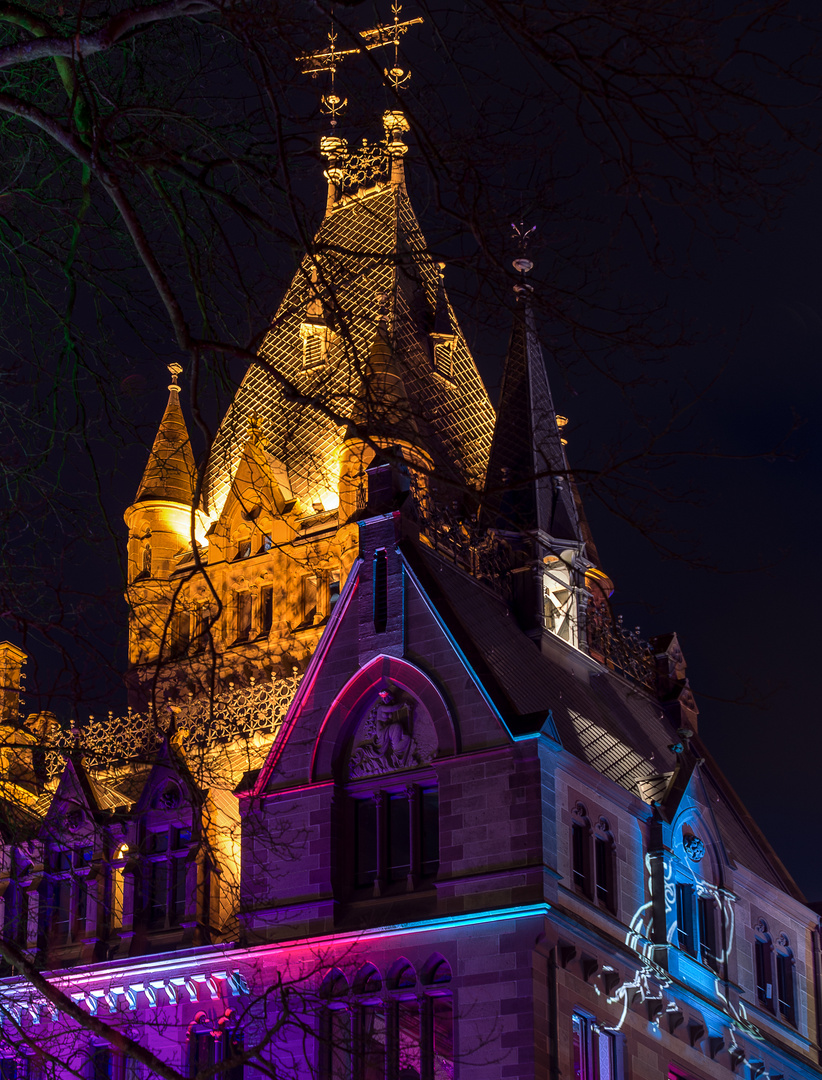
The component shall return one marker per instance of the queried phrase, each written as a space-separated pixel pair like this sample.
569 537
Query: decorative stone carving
694 848
391 738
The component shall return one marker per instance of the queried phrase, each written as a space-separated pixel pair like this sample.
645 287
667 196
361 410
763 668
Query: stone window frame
386 996
381 789
74 877
591 1032
174 854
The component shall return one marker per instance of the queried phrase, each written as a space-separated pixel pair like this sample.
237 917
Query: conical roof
529 487
369 254
170 472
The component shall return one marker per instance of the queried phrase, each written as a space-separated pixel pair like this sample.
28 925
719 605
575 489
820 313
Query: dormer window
316 339
443 347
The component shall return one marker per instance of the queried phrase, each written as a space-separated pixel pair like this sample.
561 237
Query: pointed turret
528 484
530 495
170 472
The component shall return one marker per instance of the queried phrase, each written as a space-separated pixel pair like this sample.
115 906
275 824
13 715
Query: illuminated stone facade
403 801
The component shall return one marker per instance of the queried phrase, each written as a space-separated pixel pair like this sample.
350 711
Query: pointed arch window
763 962
581 850
604 876
785 980
335 1033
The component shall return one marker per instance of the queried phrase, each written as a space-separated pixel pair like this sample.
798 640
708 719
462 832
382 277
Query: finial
522 264
175 370
390 34
331 103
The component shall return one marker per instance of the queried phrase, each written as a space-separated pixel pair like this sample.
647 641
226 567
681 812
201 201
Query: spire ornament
175 370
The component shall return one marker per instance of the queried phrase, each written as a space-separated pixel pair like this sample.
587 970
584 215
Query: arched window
371 1029
604 877
784 980
763 962
438 1021
335 1033
146 562
581 850
406 1046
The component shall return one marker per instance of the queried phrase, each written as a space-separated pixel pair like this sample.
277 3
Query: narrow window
685 925
372 1042
102 1063
201 1051
594 1050
267 543
784 981
399 838
429 832
117 886
242 615
309 599
365 842
243 549
604 869
177 905
337 1044
442 1031
708 951
312 350
764 973
147 560
157 893
266 608
333 591
409 1064
444 359
579 858
180 632
233 1049
380 592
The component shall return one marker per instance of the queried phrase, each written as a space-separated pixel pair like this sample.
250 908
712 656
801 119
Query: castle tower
365 356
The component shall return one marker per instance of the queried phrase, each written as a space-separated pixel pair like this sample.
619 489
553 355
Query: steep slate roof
369 252
170 472
612 725
529 486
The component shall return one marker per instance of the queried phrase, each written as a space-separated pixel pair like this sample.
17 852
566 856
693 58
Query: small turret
159 519
530 495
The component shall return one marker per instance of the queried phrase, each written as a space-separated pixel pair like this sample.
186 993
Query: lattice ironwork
618 647
460 538
364 168
237 713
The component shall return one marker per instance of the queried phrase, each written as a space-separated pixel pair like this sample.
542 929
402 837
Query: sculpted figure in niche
386 739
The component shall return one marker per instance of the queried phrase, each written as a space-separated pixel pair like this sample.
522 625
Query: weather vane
523 236
374 38
390 35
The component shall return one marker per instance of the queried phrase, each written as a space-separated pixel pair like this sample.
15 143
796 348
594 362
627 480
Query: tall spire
170 471
528 485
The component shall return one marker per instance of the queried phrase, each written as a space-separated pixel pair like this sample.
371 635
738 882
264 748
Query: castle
396 798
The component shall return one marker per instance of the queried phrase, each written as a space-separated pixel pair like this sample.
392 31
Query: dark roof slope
611 724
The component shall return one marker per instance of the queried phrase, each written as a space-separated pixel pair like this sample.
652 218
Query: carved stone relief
393 735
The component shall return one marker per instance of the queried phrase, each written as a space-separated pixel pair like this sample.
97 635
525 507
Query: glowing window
594 1050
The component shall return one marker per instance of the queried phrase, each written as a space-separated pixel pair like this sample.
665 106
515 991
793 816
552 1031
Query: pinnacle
170 472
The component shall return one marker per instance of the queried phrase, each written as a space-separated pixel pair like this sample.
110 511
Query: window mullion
381 802
413 836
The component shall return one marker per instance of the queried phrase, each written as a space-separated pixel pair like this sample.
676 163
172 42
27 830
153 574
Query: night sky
746 622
